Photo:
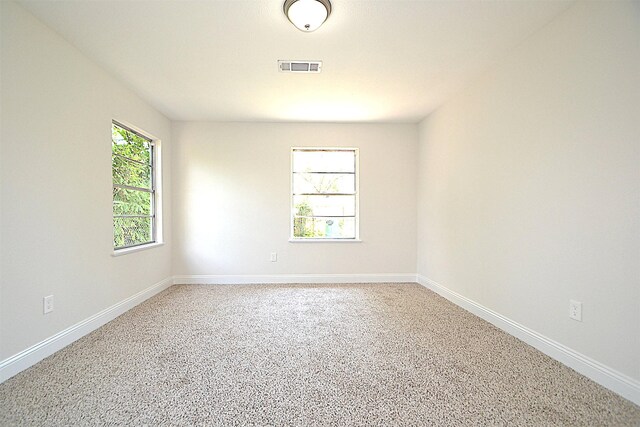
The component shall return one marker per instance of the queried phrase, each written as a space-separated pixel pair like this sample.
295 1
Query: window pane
131 202
324 205
324 161
131 145
324 183
324 227
132 165
131 231
128 172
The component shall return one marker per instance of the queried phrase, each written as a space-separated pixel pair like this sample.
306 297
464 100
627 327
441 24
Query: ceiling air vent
300 66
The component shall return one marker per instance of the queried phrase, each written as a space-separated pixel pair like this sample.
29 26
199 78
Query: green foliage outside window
304 225
133 197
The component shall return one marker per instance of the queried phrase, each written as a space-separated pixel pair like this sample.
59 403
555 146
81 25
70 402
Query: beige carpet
304 355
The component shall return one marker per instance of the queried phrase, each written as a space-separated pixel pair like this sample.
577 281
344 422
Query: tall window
134 192
324 196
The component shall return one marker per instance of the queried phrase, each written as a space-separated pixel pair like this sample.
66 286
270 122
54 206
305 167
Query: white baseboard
32 355
615 381
293 278
622 384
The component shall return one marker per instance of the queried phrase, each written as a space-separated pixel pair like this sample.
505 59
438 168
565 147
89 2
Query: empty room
320 212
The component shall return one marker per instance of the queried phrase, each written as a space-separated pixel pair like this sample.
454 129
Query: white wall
529 185
231 205
56 232
528 188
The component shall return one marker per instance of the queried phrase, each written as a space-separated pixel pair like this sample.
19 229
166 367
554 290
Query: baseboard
615 381
32 355
622 384
293 278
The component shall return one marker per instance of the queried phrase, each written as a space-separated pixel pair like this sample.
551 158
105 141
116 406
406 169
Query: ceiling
383 60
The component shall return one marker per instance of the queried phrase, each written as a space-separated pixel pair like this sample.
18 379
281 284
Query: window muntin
324 195
134 189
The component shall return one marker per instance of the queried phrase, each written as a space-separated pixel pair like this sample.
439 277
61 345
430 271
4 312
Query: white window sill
325 240
136 249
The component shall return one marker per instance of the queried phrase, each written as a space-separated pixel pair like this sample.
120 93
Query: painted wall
232 206
56 232
529 185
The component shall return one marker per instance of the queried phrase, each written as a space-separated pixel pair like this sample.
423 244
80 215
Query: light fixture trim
306 15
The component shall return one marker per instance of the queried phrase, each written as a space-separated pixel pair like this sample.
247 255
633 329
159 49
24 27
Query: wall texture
232 206
529 185
55 166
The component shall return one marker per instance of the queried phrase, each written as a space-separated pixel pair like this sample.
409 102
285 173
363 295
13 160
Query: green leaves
133 192
131 202
303 227
131 173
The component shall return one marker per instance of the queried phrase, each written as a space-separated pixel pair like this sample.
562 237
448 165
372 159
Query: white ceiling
384 61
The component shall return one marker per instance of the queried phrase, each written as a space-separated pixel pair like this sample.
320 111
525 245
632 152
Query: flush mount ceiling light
307 15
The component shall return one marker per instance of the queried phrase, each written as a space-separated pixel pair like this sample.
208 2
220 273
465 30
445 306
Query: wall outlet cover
575 310
47 304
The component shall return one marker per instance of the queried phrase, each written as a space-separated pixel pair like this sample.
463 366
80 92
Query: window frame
155 192
356 215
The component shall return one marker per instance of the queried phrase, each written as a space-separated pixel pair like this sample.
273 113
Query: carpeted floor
304 355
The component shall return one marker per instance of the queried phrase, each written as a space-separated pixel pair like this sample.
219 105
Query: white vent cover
300 66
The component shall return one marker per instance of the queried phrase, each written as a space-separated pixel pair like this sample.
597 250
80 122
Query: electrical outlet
274 256
575 310
48 304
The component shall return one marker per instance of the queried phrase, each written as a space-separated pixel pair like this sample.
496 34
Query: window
134 188
324 194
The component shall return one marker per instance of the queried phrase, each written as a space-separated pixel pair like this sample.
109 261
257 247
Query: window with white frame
324 194
134 188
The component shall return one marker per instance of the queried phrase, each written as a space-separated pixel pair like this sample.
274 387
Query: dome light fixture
307 15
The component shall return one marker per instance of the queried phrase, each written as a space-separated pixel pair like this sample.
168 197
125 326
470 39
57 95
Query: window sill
325 240
136 249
